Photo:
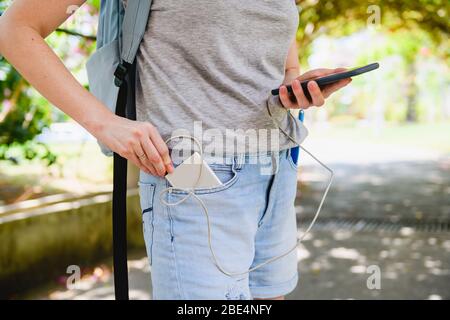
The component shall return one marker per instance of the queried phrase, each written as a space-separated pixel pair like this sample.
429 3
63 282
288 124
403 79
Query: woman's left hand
299 101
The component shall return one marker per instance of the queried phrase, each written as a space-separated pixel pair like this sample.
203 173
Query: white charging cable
190 192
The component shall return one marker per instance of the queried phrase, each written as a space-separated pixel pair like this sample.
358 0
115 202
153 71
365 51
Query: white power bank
186 175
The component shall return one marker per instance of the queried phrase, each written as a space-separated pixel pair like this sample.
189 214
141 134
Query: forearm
292 66
27 51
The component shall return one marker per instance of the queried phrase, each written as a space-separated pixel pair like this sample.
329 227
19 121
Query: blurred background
384 232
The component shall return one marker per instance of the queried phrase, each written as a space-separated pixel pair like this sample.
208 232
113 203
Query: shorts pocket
227 174
147 194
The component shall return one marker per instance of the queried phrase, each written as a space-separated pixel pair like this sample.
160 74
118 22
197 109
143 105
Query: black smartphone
322 82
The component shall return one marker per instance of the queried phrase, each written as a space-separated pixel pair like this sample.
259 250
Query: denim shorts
252 219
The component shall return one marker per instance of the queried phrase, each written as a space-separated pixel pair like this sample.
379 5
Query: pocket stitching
149 191
291 162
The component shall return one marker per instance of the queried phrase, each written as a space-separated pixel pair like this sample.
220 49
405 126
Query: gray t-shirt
206 68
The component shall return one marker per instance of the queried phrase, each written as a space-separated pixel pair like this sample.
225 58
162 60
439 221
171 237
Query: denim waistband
240 159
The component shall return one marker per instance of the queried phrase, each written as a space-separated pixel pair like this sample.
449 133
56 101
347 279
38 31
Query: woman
207 62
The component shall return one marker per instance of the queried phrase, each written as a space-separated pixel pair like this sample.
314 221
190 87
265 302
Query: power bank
186 175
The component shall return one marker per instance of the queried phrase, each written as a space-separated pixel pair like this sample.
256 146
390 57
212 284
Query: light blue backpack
111 73
120 33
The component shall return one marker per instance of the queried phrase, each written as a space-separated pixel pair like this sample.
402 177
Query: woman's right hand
139 142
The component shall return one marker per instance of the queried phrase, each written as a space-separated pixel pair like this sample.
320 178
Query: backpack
111 74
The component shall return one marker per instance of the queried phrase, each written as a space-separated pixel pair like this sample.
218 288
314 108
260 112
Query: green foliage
23 112
343 17
408 26
20 119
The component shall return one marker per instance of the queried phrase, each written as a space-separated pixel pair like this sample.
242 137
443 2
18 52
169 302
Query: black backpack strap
119 209
133 28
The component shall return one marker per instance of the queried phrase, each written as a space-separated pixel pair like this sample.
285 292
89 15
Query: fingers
328 90
143 161
302 101
316 94
285 100
153 156
161 147
134 159
157 158
316 73
140 143
130 150
153 171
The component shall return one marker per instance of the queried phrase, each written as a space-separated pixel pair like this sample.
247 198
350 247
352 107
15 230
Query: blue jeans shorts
252 219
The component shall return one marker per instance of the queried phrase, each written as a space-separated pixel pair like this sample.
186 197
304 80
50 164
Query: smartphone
324 81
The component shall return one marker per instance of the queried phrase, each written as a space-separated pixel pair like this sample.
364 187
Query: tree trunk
411 92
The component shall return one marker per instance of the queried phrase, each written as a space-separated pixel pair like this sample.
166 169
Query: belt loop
239 161
275 161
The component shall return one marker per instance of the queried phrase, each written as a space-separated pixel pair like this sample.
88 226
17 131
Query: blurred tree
408 46
396 17
342 17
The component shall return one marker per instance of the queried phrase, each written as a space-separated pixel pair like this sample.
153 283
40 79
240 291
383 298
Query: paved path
332 266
